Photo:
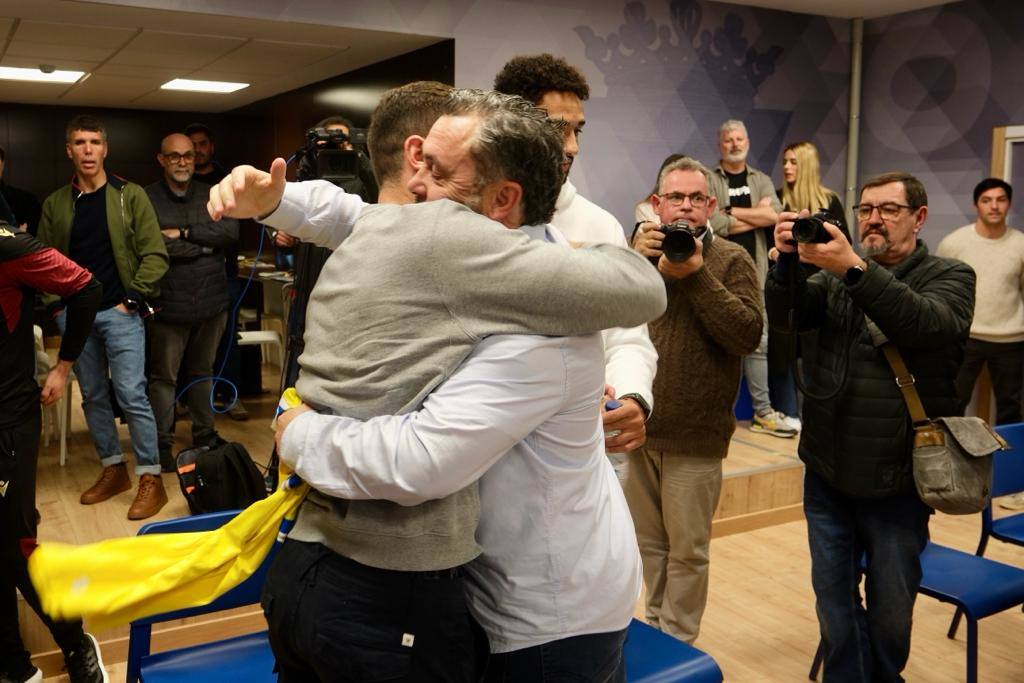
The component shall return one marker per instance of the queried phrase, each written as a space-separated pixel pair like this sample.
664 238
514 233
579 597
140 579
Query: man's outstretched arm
501 393
315 211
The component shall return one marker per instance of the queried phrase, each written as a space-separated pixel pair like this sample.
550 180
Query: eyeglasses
174 157
888 211
697 199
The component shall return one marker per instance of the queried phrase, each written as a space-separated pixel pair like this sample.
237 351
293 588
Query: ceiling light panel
192 85
15 73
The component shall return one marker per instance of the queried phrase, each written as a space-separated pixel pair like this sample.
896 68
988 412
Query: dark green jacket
134 233
860 441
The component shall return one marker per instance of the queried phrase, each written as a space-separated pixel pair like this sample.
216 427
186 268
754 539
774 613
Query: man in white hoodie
630 359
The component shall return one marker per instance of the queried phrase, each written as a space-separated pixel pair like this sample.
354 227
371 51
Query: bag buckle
905 380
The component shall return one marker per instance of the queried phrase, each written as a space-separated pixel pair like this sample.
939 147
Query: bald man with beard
193 301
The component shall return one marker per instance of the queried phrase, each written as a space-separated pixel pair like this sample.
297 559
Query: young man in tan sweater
996 252
714 318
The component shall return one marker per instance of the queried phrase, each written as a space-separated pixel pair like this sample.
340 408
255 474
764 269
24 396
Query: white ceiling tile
72 34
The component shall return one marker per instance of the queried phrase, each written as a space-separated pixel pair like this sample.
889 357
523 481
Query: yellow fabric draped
116 581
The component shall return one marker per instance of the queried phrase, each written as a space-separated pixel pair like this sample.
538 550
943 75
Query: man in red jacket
27 266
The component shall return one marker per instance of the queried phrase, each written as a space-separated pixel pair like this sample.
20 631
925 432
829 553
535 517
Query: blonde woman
801 189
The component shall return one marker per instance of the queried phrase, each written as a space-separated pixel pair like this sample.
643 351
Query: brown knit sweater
713 318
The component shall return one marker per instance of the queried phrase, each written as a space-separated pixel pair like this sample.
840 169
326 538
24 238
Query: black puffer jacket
195 287
860 441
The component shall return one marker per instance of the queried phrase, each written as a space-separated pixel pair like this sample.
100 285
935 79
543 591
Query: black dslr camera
680 241
812 228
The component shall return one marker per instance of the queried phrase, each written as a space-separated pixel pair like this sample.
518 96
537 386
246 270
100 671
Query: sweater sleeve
505 279
728 309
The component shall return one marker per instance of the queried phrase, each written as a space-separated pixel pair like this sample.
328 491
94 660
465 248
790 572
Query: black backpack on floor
220 478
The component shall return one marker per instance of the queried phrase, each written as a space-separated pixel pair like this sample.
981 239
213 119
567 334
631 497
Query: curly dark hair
530 76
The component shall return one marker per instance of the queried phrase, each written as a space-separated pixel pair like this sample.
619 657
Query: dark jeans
1005 366
227 364
333 619
872 643
593 658
191 346
19 449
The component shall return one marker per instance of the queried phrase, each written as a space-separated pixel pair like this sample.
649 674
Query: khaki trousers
672 498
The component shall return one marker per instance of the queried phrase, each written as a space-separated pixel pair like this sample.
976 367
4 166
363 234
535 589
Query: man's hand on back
248 192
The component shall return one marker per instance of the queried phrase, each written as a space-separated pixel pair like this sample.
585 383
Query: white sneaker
772 423
792 422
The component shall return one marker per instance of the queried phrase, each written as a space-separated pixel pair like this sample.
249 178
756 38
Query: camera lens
812 228
679 243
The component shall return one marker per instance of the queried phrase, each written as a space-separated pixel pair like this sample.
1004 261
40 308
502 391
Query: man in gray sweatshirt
369 587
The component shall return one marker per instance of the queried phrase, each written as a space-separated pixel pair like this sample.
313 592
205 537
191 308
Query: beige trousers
672 498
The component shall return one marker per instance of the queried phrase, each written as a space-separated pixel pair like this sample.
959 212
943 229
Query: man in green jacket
108 226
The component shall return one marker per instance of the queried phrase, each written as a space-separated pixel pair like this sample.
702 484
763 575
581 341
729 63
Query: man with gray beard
859 494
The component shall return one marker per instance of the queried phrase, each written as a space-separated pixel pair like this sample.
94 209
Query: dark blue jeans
333 619
595 658
871 642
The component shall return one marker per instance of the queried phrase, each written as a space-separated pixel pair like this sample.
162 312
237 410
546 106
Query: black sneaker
84 663
30 675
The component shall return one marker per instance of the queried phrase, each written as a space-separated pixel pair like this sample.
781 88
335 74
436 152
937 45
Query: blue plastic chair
1007 479
244 658
978 586
655 657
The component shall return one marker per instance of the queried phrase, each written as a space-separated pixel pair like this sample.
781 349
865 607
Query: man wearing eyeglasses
193 301
713 319
859 494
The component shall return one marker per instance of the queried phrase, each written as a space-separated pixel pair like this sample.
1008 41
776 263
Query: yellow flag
116 581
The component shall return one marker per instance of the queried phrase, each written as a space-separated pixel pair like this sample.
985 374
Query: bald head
178 158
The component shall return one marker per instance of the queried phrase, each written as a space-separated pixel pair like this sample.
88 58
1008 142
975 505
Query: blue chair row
651 656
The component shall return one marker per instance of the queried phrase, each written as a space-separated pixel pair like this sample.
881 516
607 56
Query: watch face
853 275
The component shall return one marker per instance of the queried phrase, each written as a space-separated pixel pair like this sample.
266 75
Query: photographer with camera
859 494
713 319
329 154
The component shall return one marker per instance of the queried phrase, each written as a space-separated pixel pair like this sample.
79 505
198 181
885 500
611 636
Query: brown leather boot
150 498
113 480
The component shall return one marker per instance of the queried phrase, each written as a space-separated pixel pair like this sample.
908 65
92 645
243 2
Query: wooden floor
759 625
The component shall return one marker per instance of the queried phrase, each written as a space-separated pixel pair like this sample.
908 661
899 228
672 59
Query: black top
739 196
90 246
24 205
27 266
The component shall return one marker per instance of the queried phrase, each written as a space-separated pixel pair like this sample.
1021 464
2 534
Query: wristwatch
853 275
183 233
641 402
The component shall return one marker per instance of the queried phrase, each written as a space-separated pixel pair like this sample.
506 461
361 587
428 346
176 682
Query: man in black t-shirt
747 211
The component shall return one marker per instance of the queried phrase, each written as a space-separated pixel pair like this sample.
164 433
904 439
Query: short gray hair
732 124
514 140
685 164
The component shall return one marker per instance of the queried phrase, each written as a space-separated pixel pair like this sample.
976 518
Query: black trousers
19 452
1006 367
333 619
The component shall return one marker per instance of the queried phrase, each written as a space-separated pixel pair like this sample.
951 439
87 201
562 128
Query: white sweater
999 265
630 358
